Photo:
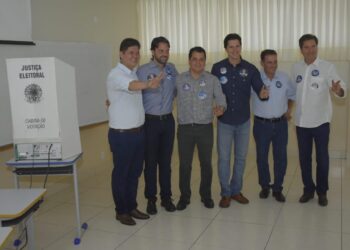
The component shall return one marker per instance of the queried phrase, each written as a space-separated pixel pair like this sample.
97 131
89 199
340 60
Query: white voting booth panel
43 108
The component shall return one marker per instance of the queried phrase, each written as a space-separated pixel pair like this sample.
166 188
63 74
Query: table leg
30 233
76 192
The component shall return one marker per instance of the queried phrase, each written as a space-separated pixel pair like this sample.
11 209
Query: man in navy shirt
237 77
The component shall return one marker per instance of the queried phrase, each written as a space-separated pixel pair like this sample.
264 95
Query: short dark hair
196 49
232 36
157 40
307 37
128 42
267 52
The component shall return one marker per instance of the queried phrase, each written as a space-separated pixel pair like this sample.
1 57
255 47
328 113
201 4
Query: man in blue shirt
237 77
159 125
271 125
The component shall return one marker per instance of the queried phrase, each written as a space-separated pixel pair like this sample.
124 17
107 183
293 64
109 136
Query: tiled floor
262 224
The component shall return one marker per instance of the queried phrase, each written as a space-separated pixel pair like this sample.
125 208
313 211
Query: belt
127 130
272 120
195 124
159 117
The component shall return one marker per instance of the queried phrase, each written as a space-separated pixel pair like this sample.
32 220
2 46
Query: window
262 24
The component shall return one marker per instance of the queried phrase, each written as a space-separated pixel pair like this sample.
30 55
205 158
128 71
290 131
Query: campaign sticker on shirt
151 76
243 73
202 95
314 85
315 72
186 87
223 80
202 83
223 70
299 78
278 84
168 74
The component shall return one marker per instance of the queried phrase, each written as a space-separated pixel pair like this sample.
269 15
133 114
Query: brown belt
127 130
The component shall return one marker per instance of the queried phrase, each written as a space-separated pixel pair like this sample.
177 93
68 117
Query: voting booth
43 108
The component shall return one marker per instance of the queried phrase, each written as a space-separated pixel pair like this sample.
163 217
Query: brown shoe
125 219
240 198
139 215
225 202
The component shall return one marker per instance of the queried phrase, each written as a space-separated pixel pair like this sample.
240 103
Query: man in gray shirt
196 91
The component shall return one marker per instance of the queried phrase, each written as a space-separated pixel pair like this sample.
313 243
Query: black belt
273 120
159 117
195 124
128 130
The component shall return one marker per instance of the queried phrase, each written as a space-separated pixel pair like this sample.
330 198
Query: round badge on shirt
168 74
202 95
315 72
202 83
223 80
223 70
186 87
278 84
299 78
151 76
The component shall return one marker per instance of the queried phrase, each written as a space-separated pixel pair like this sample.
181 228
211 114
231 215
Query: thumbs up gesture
264 93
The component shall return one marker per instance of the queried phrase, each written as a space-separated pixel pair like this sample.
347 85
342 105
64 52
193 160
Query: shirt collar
237 65
264 76
155 65
316 62
188 73
125 69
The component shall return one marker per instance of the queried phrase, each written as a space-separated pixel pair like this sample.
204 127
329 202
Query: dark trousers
159 136
188 137
128 152
306 136
265 133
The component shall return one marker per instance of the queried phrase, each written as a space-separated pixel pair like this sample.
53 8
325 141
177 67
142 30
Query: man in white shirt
313 79
126 134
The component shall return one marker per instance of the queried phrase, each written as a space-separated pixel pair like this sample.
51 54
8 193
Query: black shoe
139 215
208 203
306 197
182 204
264 193
125 219
151 207
168 205
322 200
279 196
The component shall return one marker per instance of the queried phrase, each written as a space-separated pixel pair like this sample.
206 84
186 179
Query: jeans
305 137
239 135
188 137
159 148
266 132
128 152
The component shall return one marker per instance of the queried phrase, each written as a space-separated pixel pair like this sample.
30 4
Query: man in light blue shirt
159 125
271 125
